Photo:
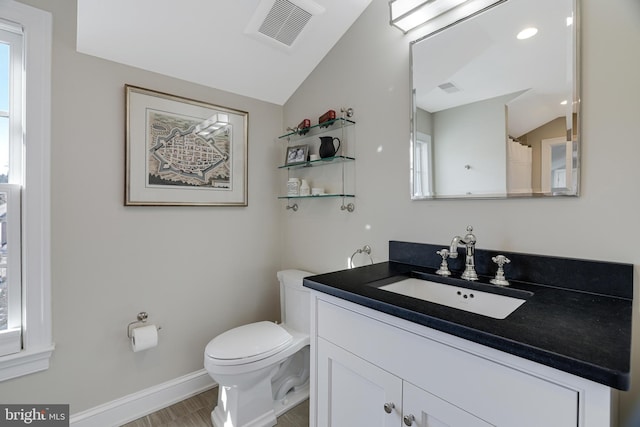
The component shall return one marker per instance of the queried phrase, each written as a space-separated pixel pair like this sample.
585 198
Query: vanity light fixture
527 33
435 15
212 124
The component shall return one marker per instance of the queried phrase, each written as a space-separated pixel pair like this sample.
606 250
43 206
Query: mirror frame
574 191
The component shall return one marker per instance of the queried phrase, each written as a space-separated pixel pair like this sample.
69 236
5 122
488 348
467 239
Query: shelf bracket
346 111
350 207
293 207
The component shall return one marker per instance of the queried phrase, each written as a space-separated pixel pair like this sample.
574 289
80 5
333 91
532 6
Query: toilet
262 369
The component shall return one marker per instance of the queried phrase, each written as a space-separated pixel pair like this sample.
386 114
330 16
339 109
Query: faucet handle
444 267
500 279
470 237
444 253
501 260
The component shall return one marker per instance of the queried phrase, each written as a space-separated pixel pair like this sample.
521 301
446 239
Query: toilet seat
248 343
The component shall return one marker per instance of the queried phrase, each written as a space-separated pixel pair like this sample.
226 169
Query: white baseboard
144 402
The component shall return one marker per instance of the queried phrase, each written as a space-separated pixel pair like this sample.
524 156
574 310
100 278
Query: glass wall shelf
319 162
335 178
319 196
318 129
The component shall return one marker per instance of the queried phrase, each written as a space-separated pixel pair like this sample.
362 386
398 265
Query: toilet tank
294 299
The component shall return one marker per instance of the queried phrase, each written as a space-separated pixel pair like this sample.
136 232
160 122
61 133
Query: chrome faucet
469 241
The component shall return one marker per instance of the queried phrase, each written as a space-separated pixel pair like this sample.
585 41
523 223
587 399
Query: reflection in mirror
496 114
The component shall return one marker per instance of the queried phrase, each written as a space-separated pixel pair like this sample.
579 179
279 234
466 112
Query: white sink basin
484 303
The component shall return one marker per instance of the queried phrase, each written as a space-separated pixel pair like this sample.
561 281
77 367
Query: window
11 179
25 87
423 166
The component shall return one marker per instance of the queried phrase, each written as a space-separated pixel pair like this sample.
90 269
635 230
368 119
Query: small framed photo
296 154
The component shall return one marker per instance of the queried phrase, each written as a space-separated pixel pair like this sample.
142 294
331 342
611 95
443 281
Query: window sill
24 363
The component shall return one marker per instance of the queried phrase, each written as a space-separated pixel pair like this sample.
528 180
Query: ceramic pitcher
327 148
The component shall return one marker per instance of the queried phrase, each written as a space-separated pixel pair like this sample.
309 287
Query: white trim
36 273
144 402
25 362
36 203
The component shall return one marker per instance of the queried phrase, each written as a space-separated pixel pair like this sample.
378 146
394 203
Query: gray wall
373 59
475 135
197 270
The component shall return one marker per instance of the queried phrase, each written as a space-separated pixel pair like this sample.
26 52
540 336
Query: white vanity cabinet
355 392
358 393
372 369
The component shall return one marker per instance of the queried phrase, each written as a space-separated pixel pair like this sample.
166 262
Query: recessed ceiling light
527 33
564 102
569 21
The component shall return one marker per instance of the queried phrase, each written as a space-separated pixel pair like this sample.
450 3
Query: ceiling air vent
282 21
449 87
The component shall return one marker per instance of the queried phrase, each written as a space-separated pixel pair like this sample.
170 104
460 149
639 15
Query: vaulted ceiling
263 49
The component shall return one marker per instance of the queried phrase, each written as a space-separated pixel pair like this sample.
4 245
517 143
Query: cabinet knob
408 419
388 407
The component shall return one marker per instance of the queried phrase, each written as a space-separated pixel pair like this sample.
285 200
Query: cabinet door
423 409
353 392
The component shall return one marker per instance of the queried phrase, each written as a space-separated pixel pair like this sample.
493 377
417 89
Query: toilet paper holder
142 319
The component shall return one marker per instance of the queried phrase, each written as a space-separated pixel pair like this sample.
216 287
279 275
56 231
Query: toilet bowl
262 369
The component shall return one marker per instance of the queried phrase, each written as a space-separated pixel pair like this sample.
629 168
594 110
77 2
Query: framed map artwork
182 152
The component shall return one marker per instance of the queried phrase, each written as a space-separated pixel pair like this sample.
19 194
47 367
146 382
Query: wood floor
196 412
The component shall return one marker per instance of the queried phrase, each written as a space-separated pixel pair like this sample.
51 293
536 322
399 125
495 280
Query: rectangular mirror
495 114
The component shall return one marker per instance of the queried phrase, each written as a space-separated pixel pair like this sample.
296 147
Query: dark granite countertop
583 333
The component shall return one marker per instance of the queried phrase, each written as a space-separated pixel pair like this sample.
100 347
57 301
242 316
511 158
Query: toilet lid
249 342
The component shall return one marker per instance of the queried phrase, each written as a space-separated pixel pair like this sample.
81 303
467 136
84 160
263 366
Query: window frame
423 166
11 338
12 35
37 344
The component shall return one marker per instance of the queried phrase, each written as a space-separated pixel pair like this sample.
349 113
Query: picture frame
183 152
296 154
